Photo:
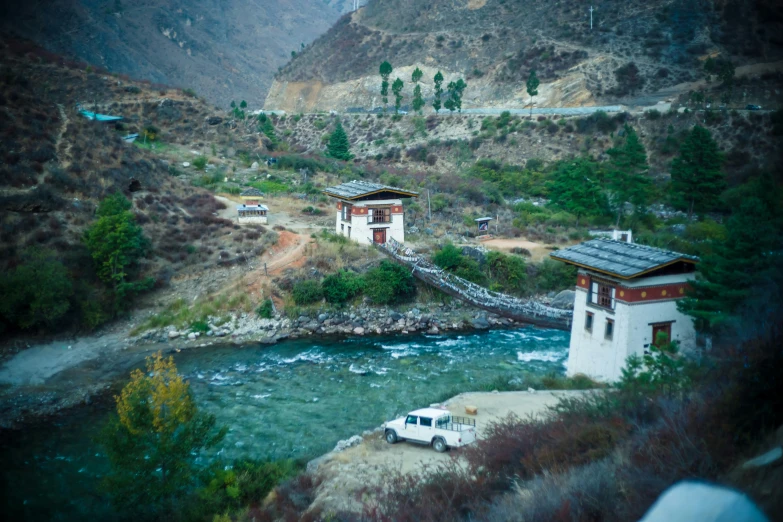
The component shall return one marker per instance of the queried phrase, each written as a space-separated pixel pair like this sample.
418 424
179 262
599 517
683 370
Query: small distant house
626 301
251 210
369 212
618 235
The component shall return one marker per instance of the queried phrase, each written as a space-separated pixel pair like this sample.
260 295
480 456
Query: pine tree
740 268
266 127
454 100
575 189
627 175
418 101
397 90
385 71
339 147
436 103
532 87
697 180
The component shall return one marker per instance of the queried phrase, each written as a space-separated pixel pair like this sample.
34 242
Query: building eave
619 276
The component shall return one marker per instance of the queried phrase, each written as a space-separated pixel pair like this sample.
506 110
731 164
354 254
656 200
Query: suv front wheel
391 436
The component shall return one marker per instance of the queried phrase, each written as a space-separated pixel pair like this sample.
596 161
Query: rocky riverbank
356 320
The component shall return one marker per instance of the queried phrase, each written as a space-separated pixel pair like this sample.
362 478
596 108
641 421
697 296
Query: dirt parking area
538 251
345 474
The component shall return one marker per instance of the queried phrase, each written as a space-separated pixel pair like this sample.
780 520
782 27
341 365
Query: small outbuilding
626 301
618 235
483 226
369 212
251 210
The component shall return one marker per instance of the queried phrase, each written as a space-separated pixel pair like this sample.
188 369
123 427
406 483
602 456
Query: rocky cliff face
493 45
222 50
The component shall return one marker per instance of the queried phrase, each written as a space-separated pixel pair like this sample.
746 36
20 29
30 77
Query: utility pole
591 17
429 207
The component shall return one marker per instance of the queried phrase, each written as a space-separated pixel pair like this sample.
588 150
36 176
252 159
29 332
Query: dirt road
344 475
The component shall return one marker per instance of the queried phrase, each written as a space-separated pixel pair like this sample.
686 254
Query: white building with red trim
368 212
251 210
625 295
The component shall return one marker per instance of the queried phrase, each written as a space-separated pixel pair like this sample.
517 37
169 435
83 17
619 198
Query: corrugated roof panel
623 259
354 189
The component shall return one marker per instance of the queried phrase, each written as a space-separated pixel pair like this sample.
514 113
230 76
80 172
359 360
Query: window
426 422
443 421
412 419
602 295
380 215
346 216
589 321
609 332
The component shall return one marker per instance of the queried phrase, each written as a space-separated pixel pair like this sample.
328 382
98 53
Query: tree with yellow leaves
154 439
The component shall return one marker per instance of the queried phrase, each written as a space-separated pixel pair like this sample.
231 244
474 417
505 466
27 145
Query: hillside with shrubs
60 169
633 48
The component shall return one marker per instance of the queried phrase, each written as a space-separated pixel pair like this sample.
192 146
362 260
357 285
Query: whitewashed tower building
625 295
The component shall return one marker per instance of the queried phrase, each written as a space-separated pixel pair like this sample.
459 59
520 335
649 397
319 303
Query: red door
661 330
379 235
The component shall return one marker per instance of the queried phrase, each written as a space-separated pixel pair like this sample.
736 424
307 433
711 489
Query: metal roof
430 412
251 192
484 219
357 189
618 258
252 207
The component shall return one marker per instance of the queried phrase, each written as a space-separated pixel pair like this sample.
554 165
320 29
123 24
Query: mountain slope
494 44
222 50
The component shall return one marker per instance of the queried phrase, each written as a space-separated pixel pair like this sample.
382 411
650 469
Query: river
294 400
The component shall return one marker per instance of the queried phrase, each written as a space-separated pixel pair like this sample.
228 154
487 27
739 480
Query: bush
37 292
307 292
200 163
449 257
199 326
341 287
266 310
553 276
229 489
509 272
389 283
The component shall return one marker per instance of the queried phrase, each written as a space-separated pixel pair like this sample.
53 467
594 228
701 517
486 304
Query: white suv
431 426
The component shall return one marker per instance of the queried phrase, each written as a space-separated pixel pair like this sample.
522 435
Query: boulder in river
480 322
564 300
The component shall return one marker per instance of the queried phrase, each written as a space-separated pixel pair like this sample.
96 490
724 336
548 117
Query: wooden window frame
609 329
589 321
380 215
346 212
602 294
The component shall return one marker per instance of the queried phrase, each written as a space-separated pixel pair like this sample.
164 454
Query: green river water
296 399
